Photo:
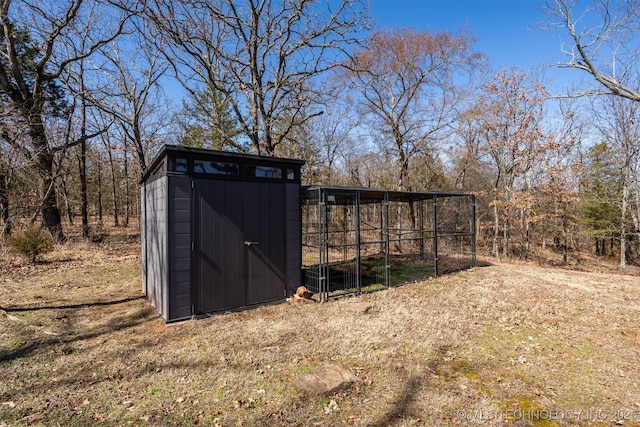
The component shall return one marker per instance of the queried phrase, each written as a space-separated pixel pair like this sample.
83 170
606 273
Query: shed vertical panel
179 247
264 224
143 236
155 246
293 230
218 245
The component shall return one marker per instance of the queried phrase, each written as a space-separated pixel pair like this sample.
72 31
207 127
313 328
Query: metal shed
220 231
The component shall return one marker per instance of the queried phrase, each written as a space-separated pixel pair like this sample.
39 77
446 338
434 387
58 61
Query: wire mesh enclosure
360 240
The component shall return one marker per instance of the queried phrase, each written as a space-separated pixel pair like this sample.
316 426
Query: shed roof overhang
202 153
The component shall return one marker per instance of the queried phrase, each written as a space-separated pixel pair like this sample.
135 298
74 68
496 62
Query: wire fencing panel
456 233
359 240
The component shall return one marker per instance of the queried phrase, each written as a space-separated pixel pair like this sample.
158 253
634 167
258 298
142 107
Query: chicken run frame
359 239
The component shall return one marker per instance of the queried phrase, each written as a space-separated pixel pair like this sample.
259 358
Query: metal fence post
323 245
387 252
435 234
473 228
358 255
421 221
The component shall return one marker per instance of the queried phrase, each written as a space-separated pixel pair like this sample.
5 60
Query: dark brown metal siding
240 243
264 232
154 231
293 235
179 235
218 245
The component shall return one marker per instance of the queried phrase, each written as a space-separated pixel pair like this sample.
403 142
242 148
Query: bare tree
132 95
6 177
604 42
470 172
262 56
555 178
331 137
513 142
81 129
407 84
41 40
618 122
107 142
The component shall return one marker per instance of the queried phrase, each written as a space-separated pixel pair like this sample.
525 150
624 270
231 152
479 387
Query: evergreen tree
206 121
600 188
53 98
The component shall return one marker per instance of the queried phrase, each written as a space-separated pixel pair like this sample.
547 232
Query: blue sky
508 31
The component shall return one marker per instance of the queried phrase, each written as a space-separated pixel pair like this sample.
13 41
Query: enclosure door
239 249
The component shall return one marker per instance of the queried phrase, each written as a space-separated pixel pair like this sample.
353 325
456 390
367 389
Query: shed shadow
116 324
72 306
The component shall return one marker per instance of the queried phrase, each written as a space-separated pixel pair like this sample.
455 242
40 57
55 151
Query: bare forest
89 90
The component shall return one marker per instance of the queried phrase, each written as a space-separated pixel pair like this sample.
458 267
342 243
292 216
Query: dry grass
506 343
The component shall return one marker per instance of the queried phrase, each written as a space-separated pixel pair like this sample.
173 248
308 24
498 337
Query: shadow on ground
72 306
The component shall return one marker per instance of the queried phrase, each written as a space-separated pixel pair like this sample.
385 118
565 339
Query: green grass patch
343 276
528 409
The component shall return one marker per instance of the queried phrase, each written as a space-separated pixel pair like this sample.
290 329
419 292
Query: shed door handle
250 243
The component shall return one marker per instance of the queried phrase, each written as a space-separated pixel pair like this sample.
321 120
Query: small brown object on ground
297 298
303 292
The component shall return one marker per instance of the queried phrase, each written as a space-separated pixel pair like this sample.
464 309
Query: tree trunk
507 220
84 202
114 186
139 145
67 203
99 185
565 234
496 229
44 163
127 200
527 241
623 218
4 204
505 239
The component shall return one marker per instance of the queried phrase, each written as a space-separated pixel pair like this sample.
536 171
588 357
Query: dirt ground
503 344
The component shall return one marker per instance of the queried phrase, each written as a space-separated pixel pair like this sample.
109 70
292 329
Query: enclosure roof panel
344 193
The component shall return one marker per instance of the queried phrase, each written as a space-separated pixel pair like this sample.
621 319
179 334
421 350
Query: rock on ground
326 380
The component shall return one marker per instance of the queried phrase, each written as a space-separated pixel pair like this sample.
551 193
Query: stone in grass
326 380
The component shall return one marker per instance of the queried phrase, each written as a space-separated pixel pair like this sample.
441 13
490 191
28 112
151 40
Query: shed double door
239 244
